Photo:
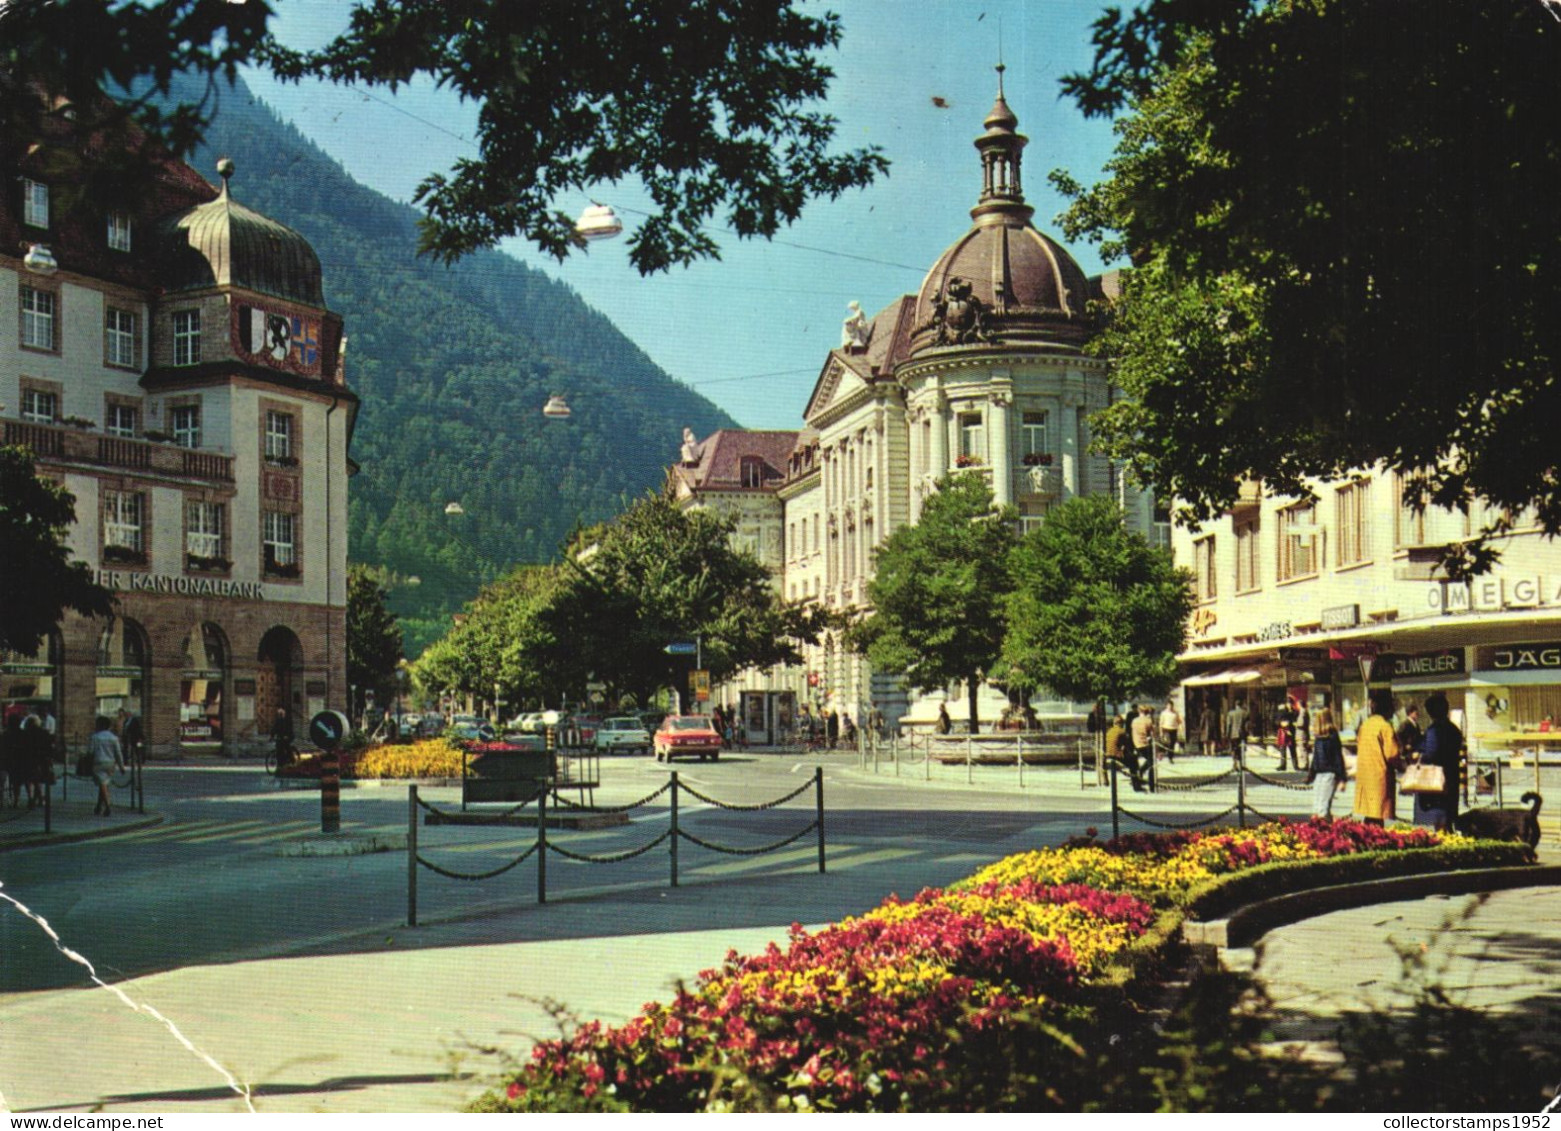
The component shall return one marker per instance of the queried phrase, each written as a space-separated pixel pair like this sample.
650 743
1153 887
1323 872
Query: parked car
623 733
687 734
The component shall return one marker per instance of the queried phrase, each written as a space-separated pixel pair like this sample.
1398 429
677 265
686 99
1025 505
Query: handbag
1423 778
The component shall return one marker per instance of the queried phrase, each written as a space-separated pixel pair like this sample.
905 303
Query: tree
939 591
1340 217
1096 611
706 104
38 579
373 636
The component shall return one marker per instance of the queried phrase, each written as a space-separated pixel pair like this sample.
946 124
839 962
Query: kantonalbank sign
1494 592
180 586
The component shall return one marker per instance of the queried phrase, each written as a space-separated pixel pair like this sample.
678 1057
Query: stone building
981 372
173 363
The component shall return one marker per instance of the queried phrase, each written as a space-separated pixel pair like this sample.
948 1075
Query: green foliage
373 636
707 104
939 589
453 366
1096 611
1338 212
38 579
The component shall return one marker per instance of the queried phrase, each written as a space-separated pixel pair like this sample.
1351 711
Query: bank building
173 363
981 372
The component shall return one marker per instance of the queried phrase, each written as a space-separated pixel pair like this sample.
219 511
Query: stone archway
203 690
122 669
279 679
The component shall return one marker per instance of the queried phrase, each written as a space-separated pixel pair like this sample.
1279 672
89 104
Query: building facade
1311 597
172 362
981 372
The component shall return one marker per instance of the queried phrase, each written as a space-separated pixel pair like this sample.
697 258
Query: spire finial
225 171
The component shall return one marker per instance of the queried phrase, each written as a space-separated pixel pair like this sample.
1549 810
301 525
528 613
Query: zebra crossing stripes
249 832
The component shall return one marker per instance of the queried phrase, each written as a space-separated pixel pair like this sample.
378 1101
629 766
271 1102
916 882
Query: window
186 337
187 425
1205 568
121 420
972 437
1297 542
1248 576
752 472
119 337
119 231
1160 536
1353 504
281 554
1032 434
279 435
40 406
203 533
122 524
1408 523
37 318
35 204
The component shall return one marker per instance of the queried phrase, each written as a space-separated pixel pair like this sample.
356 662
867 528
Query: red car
687 734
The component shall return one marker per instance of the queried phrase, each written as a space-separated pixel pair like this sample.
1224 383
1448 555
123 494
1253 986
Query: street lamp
40 260
598 222
557 408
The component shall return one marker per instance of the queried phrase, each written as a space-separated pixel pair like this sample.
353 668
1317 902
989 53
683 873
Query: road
269 958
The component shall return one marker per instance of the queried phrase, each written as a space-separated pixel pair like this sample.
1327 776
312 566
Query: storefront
29 683
201 691
123 671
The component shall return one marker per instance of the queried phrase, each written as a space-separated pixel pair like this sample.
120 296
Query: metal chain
1178 824
1161 785
747 851
499 871
798 792
1302 788
619 858
446 813
1265 816
557 800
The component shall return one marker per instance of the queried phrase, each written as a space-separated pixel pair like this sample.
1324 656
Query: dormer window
752 471
35 204
119 231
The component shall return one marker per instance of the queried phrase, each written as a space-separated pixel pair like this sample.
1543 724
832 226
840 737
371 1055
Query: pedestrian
945 724
718 721
37 756
107 760
1284 734
1441 745
832 728
282 735
13 756
875 722
849 727
1236 730
1170 729
132 739
1409 734
1119 747
1376 755
1141 730
1303 729
1325 771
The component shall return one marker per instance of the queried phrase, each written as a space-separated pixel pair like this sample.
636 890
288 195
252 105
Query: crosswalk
255 831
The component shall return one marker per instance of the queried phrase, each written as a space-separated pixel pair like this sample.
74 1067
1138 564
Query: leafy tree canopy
38 579
1341 218
1096 611
710 105
373 636
939 589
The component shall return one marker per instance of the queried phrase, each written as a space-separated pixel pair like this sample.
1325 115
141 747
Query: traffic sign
681 648
328 728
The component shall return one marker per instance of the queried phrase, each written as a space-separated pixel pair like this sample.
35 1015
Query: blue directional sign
681 648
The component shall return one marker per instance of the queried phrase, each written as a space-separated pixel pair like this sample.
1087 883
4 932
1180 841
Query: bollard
411 855
48 809
970 754
1116 828
674 834
466 756
1241 787
542 846
818 793
330 792
1019 757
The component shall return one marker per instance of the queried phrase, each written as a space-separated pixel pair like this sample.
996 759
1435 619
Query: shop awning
1247 673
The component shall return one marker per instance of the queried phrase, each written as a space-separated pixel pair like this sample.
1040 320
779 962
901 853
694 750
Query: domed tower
995 378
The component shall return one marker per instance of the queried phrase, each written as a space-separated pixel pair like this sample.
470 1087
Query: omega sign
183 586
1496 591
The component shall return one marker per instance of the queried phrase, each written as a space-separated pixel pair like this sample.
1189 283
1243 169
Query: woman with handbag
1376 755
103 747
1440 749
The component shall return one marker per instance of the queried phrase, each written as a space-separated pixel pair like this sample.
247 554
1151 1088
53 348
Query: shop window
187 425
119 337
39 314
186 337
200 690
1353 504
1298 539
121 669
35 204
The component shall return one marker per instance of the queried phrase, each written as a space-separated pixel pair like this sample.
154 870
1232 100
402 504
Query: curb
1247 924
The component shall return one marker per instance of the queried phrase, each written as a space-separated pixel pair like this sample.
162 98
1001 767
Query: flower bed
993 993
429 758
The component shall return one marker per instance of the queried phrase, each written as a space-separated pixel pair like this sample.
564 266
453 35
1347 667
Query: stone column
938 409
999 447
1068 448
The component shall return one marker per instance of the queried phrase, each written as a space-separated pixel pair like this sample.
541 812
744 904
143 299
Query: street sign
681 648
327 729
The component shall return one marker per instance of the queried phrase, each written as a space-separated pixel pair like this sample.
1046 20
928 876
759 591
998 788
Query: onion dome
1003 281
222 243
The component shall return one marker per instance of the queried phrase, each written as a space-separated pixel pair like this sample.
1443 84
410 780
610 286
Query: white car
623 733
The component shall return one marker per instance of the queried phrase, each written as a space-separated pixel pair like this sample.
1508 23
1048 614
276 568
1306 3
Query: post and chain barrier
671 836
919 751
1243 808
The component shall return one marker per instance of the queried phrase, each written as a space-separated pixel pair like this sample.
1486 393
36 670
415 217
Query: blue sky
751 331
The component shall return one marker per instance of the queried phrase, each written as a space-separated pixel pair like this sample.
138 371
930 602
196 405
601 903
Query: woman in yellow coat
1376 753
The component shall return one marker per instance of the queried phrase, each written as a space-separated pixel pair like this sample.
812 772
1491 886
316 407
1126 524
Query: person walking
945 724
1326 770
1441 745
1141 730
1376 755
282 735
1236 730
1284 734
107 760
1170 729
132 739
832 728
1119 748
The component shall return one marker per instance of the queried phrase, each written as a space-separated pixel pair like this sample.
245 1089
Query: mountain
453 366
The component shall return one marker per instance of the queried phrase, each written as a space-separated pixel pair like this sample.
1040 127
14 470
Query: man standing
1236 729
282 735
1142 731
1170 729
